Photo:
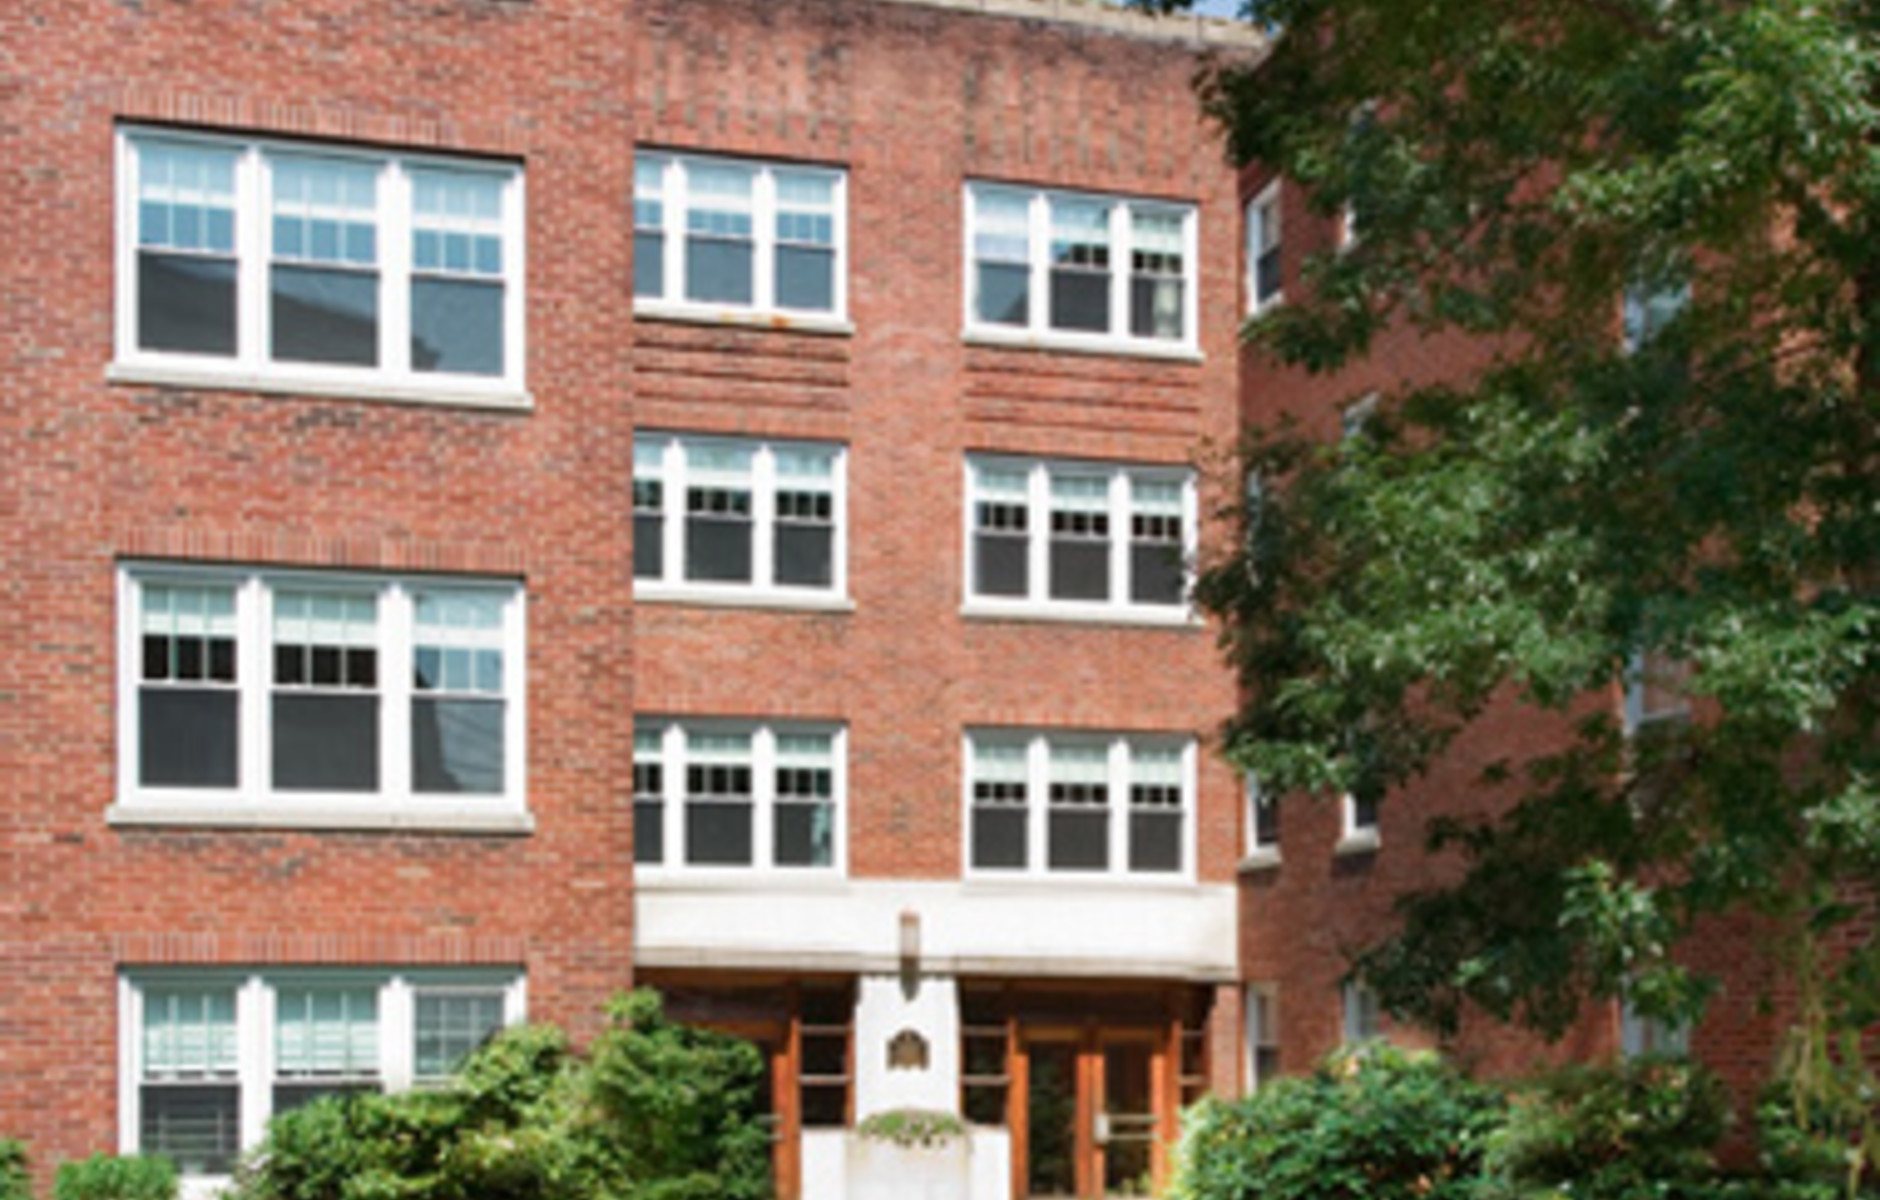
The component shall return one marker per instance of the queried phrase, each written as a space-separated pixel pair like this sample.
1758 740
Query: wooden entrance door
1092 1103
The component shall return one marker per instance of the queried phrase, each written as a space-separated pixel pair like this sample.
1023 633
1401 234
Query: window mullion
839 499
675 217
1120 536
1191 277
672 529
1116 816
252 222
253 671
763 797
1040 314
1038 533
672 780
397 1034
763 515
395 671
1037 803
764 239
515 695
1121 267
254 1039
395 207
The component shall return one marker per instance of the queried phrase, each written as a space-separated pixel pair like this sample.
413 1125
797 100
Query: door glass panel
1052 1164
1129 1119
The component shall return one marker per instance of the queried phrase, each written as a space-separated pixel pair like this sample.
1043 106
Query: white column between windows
764 239
1038 533
1039 316
1121 575
397 628
254 674
675 218
130 1065
672 795
254 1037
763 508
763 797
253 321
394 238
1117 805
397 1033
1121 267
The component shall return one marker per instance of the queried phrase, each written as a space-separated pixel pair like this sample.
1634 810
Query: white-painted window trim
1038 331
1263 215
251 367
673 867
1646 674
1261 1012
1037 744
1361 1014
253 801
255 1034
674 168
1355 836
1038 602
674 474
1640 1035
1260 852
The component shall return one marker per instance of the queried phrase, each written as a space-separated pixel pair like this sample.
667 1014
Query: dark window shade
1155 841
999 838
806 278
1266 821
326 743
1155 307
718 549
1000 565
1080 300
649 832
323 316
1363 812
717 834
1079 841
1155 573
718 270
457 326
803 835
1080 569
186 304
1005 293
195 1126
188 738
649 264
1267 274
649 546
457 746
805 555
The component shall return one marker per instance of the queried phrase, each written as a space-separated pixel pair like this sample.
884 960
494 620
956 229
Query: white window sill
666 593
1266 858
1172 618
739 879
1266 306
1066 883
215 816
444 394
824 324
1358 841
1072 343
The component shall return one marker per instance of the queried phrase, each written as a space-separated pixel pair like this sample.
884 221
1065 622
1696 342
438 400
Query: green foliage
652 1111
1377 1124
15 1183
1644 1128
114 1177
912 1128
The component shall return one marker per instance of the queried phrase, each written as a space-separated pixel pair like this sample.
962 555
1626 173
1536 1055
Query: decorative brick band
277 548
337 122
315 949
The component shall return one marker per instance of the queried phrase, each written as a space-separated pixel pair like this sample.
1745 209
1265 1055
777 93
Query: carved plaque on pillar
907 1051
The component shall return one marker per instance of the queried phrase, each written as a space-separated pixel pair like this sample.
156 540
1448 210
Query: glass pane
1004 293
326 743
457 746
1000 565
198 1126
1080 570
718 550
457 326
1155 573
649 831
325 316
1155 308
1080 300
806 278
649 264
805 835
1051 1165
1080 841
449 1026
1130 1109
185 304
999 838
187 738
718 270
649 546
805 555
718 834
1155 841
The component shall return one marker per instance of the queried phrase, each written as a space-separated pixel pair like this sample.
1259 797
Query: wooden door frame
1088 1043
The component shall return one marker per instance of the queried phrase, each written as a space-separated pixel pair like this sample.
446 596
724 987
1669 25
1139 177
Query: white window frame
255 994
1263 209
673 867
1259 1034
253 801
1355 836
1259 853
1357 1002
1672 674
1640 1035
763 309
1038 603
761 591
1118 340
251 367
1037 867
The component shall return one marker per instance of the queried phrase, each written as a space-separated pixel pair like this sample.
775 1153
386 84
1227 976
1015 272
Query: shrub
912 1128
1643 1128
15 1183
653 1111
111 1177
1377 1123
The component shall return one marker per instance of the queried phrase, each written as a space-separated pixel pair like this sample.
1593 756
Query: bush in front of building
1372 1122
15 1183
651 1111
116 1177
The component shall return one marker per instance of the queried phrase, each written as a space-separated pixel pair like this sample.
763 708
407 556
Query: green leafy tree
1693 479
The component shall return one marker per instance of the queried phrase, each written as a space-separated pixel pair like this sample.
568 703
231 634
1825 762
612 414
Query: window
1084 540
718 234
752 520
283 265
1656 691
1647 311
719 795
1363 1015
304 693
1262 821
1262 1035
1080 269
1641 1035
1358 830
1264 263
1079 804
210 1055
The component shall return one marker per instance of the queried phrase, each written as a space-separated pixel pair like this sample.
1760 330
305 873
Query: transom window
272 263
316 692
712 795
1083 268
1264 262
1047 804
1084 539
715 234
214 1054
720 516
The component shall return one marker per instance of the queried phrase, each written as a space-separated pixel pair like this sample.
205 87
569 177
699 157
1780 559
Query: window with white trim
722 516
1262 819
1657 691
208 1056
715 795
1264 256
1080 268
1641 1035
717 234
1262 1066
1082 539
1363 1015
271 263
316 691
1079 804
1358 820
